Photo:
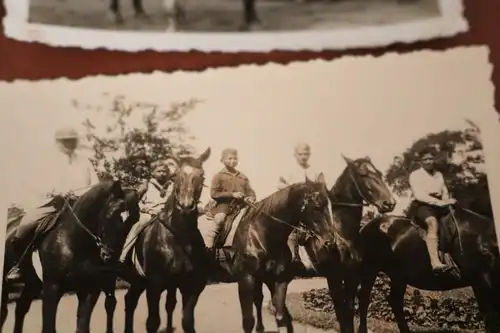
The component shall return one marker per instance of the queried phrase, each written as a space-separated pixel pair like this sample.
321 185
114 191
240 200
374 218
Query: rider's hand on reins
248 200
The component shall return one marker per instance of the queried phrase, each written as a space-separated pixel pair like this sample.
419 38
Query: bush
453 311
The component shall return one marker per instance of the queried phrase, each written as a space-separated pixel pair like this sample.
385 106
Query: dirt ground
218 310
225 15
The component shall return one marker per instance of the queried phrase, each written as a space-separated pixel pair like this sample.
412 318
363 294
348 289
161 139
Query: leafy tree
461 160
126 149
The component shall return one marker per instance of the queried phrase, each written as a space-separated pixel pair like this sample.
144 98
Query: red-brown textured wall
37 61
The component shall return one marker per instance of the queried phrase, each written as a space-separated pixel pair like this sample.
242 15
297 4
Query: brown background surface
37 61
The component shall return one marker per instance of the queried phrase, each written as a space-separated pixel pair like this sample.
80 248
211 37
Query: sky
358 107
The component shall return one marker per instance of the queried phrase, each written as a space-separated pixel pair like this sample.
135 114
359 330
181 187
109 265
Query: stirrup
14 273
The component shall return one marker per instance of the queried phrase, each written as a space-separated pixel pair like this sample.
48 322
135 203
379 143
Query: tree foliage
127 148
461 160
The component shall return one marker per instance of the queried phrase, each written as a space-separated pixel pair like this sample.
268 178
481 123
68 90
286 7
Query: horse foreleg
110 306
487 304
249 15
351 284
283 317
336 291
170 304
258 298
131 300
153 293
396 301
246 287
364 301
115 12
51 296
139 9
86 303
3 307
190 297
30 291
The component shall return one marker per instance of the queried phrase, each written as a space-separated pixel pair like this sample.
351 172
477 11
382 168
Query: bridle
97 239
365 201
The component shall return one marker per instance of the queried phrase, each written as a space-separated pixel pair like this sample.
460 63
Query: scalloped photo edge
449 23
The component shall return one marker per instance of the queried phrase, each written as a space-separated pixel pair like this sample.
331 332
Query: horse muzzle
187 207
386 206
106 255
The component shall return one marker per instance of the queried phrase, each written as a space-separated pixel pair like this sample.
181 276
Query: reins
274 218
97 239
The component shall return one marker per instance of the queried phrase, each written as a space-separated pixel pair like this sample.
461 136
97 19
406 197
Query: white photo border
449 23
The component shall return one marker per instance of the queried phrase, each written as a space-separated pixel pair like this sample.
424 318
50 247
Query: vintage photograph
240 199
222 25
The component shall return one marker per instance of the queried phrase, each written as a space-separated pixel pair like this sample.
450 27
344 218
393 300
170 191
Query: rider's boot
15 272
432 247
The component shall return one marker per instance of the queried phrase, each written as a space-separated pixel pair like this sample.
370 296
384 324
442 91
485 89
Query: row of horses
79 252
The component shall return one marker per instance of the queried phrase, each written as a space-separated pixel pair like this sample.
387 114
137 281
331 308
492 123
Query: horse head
369 184
188 182
315 214
110 197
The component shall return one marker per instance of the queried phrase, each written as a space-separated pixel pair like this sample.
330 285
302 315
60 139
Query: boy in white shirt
431 200
299 173
74 174
159 189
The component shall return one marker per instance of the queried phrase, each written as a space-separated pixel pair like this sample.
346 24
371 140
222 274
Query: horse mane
339 184
273 203
89 197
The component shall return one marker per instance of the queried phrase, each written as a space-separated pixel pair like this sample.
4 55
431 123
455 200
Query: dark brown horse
172 253
72 253
260 252
394 245
109 275
360 184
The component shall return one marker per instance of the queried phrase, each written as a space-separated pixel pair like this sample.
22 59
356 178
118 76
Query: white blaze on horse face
124 215
188 170
371 168
330 211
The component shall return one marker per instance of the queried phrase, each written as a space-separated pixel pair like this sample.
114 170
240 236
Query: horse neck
477 234
346 219
275 206
87 213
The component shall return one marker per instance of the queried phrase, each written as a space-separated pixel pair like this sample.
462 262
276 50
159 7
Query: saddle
48 222
221 239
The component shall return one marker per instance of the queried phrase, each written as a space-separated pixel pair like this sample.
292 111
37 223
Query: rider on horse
159 188
231 190
75 175
431 202
301 171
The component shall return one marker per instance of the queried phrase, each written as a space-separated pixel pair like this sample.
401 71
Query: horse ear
321 178
203 157
347 159
368 159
